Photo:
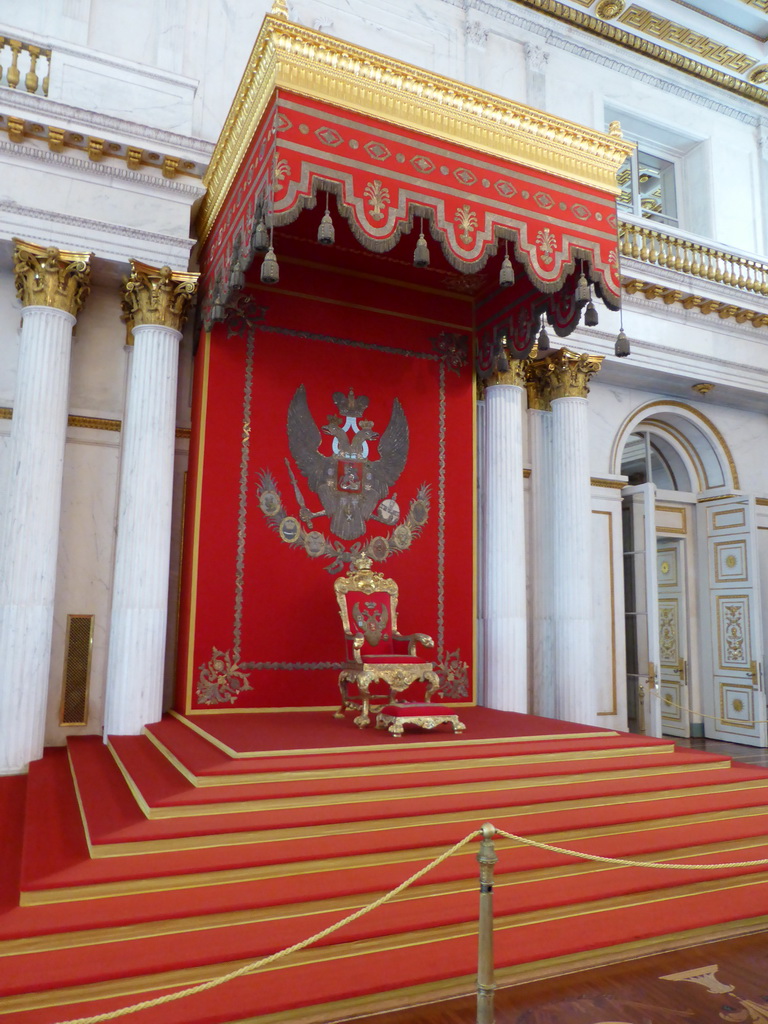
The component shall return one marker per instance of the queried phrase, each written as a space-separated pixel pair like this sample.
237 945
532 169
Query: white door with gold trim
734 702
641 607
673 639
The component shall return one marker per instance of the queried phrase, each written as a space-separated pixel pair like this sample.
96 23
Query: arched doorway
691 581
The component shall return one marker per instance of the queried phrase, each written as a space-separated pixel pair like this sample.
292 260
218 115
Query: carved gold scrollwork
559 374
157 296
51 277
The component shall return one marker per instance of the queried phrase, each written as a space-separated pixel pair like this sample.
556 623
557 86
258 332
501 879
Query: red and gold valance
400 148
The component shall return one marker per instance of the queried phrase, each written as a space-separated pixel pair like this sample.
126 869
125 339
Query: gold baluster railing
649 245
23 59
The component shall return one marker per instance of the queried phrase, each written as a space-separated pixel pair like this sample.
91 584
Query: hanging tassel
421 252
237 277
621 348
582 288
326 233
543 339
506 274
270 271
590 315
260 237
217 309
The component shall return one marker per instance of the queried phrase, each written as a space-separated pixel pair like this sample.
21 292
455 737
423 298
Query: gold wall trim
94 423
312 64
597 481
96 149
689 300
643 412
661 54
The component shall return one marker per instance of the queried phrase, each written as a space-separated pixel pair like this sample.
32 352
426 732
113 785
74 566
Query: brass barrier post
486 858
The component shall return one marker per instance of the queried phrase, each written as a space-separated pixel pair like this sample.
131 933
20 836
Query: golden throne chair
376 651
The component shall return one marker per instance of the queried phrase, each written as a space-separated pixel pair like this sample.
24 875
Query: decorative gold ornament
759 75
157 296
609 9
570 373
310 63
516 375
702 389
731 561
51 277
664 568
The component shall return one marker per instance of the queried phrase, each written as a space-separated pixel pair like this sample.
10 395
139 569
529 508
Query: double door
729 694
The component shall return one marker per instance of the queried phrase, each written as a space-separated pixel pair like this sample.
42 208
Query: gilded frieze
614 32
675 35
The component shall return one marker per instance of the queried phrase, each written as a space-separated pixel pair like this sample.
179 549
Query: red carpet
160 861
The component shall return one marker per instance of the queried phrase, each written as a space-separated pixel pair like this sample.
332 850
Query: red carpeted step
105 786
306 735
519 939
255 932
250 881
162 786
202 758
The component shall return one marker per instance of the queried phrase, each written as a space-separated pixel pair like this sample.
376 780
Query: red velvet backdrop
260 626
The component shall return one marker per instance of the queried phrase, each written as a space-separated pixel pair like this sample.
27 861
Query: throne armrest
412 639
356 640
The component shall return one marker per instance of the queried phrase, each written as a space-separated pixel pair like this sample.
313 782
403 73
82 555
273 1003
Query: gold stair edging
345 904
175 811
408 768
236 876
176 844
121 987
412 745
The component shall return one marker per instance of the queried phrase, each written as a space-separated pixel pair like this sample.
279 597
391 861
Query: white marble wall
163 74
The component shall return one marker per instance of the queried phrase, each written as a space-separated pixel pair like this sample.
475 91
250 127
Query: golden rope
256 964
668 702
633 863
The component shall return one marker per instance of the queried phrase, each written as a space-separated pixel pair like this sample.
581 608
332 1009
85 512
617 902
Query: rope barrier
256 964
272 958
667 700
632 863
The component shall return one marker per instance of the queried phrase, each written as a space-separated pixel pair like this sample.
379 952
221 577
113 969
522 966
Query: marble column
505 639
52 286
570 536
540 553
155 304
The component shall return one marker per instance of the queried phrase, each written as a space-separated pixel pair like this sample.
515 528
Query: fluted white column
540 559
137 637
570 521
571 555
29 545
505 640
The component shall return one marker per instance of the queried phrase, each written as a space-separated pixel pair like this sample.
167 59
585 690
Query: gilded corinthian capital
559 374
157 296
571 374
51 277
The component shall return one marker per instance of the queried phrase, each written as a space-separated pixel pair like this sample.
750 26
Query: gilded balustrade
19 65
655 246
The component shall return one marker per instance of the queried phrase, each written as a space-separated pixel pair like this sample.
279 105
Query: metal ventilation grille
77 670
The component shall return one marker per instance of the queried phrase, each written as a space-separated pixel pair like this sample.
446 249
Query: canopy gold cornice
312 64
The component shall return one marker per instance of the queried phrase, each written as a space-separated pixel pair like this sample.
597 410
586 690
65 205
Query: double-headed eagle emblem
352 483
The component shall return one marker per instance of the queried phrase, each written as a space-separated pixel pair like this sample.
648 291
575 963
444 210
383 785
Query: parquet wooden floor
708 984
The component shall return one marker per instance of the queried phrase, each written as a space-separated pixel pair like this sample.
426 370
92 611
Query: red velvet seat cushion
393 659
415 710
